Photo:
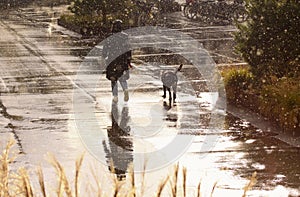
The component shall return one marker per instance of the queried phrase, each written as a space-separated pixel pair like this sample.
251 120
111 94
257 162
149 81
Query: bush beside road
269 43
278 100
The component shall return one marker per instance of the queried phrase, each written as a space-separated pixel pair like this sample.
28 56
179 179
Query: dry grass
4 170
184 181
199 189
41 181
251 183
175 180
19 184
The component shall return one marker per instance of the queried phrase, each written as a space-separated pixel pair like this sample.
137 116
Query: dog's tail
179 68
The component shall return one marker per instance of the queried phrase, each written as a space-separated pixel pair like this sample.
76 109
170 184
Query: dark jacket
117 65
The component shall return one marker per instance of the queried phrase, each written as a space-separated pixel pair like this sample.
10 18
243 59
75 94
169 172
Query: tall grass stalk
4 169
77 170
199 189
161 187
251 183
63 186
213 189
117 188
143 177
99 192
175 180
132 181
118 184
184 174
26 187
42 181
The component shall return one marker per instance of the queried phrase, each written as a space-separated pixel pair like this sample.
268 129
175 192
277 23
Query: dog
169 80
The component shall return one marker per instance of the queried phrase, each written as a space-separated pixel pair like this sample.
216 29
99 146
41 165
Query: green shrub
238 85
281 102
276 99
85 25
269 41
105 9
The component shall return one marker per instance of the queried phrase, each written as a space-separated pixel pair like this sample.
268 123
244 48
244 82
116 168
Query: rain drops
259 52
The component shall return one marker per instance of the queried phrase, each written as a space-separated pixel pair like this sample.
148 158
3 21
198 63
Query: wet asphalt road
39 78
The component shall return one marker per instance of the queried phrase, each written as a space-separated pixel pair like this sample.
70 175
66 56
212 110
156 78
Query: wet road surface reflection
39 62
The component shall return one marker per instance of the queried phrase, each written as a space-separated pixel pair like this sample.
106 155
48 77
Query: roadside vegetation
19 182
270 43
93 18
8 4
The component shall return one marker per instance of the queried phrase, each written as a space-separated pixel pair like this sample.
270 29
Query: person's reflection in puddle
119 150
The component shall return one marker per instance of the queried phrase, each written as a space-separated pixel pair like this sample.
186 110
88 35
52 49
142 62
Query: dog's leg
174 97
174 87
165 89
170 95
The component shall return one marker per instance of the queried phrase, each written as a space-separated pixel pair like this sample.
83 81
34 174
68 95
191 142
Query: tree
270 40
104 8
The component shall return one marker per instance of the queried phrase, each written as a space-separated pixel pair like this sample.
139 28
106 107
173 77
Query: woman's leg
124 84
125 89
114 88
